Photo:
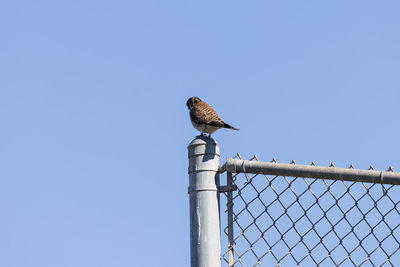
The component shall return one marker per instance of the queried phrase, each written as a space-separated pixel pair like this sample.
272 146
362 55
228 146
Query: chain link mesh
294 221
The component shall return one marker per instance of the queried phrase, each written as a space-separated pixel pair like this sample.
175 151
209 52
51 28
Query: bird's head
192 101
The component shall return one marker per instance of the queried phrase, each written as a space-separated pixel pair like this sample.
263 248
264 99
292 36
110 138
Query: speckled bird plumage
204 118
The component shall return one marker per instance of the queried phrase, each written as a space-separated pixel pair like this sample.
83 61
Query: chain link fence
292 220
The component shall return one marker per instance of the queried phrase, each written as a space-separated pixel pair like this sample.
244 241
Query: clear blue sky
94 126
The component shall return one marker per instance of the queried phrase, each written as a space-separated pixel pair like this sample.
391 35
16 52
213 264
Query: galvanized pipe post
205 247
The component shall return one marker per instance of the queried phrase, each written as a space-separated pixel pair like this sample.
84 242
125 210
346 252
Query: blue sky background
94 126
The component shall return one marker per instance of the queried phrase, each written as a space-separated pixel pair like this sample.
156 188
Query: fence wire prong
371 168
253 157
238 156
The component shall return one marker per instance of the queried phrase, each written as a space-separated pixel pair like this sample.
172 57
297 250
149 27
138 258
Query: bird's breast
204 128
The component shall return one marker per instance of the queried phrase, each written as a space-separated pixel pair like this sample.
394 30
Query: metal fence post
229 206
205 247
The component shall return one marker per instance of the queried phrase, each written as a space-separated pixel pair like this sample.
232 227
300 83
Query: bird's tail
230 127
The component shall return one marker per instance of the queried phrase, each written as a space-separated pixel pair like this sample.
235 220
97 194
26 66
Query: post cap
202 145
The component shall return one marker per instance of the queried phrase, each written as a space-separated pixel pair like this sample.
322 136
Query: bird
204 118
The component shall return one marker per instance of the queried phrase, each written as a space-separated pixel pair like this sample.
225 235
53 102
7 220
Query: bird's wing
203 113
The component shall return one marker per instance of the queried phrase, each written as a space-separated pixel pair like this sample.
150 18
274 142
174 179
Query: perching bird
204 118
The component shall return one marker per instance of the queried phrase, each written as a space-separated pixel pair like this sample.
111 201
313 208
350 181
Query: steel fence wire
277 220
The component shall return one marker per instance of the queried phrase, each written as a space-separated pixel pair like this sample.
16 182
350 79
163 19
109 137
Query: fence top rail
310 171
